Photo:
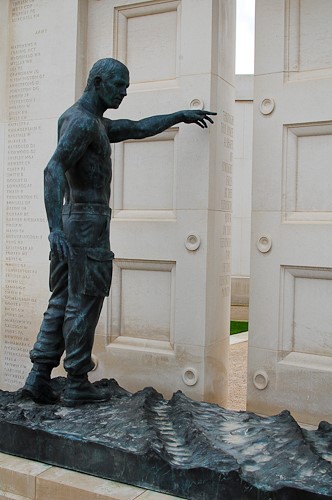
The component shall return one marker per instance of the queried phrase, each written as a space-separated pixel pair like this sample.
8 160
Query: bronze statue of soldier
77 194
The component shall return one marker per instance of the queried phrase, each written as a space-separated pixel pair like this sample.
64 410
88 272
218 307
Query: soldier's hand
200 117
60 245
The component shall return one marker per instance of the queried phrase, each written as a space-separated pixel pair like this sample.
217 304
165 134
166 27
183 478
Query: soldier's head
110 79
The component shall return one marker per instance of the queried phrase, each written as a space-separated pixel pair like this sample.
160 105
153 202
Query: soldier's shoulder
77 117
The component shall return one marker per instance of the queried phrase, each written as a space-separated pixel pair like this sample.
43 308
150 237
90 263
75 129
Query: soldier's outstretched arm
121 130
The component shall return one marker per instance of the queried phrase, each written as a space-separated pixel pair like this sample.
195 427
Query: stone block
58 484
18 477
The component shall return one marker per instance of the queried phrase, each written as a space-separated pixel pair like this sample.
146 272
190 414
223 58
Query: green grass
239 326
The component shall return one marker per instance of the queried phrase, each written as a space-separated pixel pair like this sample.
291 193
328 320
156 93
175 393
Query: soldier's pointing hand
200 117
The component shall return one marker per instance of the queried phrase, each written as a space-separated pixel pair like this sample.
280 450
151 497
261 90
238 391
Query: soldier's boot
38 385
80 391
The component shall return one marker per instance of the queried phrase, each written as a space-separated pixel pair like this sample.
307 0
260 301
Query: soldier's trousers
79 286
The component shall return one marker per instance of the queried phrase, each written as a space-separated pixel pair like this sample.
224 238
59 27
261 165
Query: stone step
22 479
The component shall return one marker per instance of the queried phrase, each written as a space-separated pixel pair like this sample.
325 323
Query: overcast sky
245 33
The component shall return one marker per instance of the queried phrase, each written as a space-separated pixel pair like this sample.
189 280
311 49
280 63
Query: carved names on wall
24 215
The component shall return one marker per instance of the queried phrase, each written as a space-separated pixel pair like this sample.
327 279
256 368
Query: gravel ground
237 385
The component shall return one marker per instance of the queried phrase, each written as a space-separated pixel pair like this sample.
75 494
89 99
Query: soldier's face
114 89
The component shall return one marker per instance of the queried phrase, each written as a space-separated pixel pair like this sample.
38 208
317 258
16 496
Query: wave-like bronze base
193 450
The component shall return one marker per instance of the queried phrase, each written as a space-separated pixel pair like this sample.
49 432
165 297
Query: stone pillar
290 337
38 57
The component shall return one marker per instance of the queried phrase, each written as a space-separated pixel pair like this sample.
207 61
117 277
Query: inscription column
220 203
226 201
36 94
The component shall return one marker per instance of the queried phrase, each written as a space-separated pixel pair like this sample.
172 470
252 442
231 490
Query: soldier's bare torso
89 178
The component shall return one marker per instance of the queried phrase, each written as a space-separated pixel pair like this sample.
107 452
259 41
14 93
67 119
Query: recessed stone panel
309 47
307 313
307 187
142 300
144 177
146 40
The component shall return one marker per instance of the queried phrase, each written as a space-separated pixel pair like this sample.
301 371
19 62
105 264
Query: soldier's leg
89 283
81 318
49 346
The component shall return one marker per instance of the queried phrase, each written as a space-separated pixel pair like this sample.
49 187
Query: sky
245 36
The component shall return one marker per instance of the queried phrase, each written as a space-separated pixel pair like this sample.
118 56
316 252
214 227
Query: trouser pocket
98 272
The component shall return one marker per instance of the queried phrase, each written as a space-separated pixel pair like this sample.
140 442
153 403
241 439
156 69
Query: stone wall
166 322
290 336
